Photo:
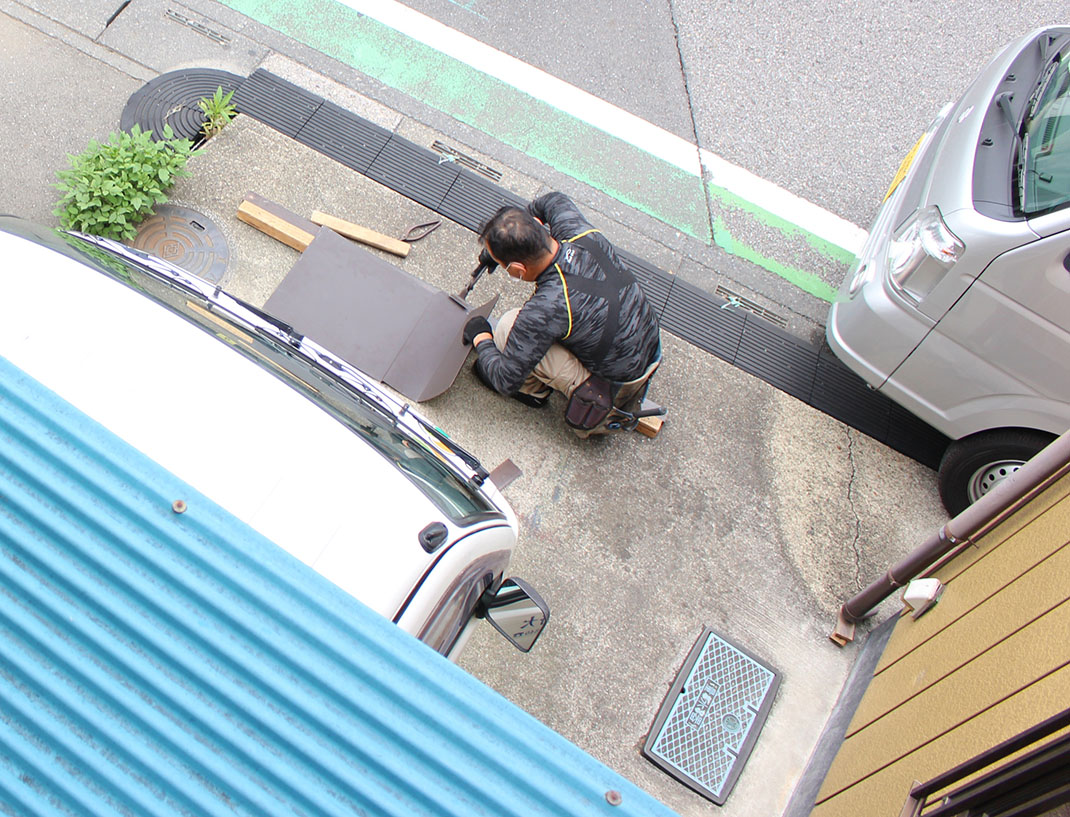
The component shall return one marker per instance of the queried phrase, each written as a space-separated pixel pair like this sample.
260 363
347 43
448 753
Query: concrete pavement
751 512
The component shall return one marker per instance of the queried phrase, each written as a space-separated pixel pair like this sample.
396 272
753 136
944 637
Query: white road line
615 121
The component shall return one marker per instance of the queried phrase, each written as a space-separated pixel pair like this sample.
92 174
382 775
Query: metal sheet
386 322
163 663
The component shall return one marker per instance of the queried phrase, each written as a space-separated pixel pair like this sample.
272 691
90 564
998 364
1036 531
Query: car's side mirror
516 611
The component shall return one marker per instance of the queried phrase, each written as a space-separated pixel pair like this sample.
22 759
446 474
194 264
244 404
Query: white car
270 426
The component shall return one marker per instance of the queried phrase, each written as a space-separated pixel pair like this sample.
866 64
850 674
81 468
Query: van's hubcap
986 478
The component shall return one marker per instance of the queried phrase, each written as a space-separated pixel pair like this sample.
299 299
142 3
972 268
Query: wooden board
361 234
276 221
650 426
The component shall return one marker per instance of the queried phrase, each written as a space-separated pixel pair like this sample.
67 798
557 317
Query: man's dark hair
513 234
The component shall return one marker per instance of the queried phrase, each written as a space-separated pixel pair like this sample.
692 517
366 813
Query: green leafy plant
218 111
112 186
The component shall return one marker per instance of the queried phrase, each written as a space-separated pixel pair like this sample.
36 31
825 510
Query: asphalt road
752 142
820 97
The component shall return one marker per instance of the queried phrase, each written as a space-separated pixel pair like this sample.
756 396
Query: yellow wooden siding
883 793
995 619
979 573
989 661
1002 671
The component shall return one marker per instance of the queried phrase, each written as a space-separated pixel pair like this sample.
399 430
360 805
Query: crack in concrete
116 13
694 123
855 549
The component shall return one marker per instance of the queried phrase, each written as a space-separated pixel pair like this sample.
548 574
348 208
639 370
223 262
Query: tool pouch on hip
590 403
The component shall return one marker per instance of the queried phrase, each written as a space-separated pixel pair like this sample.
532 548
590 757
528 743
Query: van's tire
972 466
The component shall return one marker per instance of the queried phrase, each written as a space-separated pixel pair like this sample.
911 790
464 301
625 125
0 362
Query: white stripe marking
615 121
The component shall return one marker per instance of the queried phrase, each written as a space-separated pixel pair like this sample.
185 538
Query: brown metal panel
386 322
427 362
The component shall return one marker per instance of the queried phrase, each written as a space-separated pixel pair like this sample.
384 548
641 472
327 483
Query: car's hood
220 423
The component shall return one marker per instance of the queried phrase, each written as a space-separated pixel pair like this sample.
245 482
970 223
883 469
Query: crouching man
587 330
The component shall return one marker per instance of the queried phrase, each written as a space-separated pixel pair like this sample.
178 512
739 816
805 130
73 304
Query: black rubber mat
760 347
276 102
171 99
336 133
471 200
703 319
414 172
838 389
777 357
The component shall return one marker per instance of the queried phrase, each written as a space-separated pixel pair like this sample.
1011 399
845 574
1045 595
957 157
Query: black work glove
475 326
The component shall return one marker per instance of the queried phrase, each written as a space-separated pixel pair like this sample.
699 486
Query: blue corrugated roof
160 663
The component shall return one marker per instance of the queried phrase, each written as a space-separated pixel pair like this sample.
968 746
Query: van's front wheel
973 466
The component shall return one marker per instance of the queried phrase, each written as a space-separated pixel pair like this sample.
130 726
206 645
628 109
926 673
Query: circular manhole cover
187 239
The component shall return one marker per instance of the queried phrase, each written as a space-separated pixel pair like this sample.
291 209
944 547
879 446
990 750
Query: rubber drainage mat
710 720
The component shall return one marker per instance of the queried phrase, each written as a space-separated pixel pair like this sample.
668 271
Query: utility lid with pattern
710 720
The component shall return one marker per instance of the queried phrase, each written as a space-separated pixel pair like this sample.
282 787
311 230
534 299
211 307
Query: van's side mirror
516 611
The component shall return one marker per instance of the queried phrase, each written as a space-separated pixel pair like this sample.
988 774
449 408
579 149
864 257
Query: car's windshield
425 466
1045 156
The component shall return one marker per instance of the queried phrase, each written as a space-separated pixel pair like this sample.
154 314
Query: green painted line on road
824 247
806 281
585 153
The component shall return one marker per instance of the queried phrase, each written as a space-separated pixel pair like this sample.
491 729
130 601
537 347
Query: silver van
958 307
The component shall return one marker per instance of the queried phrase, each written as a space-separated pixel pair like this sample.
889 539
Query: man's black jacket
569 307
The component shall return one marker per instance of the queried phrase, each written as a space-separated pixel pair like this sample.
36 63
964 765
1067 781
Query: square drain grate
710 720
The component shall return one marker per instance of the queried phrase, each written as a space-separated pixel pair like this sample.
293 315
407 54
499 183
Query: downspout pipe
965 529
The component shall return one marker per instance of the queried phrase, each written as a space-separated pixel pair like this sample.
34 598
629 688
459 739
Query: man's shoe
533 400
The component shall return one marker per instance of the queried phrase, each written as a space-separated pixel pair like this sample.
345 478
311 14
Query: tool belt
599 405
591 403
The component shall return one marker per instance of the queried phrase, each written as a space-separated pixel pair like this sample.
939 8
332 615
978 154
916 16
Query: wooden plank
276 222
650 426
362 234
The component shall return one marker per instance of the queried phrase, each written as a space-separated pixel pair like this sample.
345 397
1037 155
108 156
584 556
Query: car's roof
217 421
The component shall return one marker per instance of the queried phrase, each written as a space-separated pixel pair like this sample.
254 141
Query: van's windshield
1044 180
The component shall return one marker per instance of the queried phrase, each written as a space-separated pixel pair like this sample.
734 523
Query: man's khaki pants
559 369
562 371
